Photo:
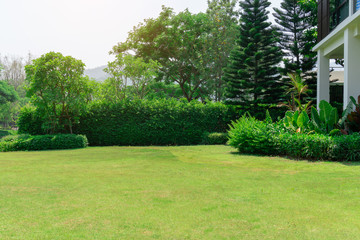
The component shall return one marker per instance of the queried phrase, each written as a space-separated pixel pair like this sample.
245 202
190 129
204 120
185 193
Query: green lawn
198 192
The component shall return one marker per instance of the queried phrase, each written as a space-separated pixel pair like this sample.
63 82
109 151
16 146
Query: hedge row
249 135
26 142
143 122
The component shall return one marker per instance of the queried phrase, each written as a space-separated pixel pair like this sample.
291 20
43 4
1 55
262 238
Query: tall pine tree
297 40
251 74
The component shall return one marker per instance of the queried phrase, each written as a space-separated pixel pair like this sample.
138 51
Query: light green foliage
298 90
223 29
326 120
129 70
250 135
196 192
58 89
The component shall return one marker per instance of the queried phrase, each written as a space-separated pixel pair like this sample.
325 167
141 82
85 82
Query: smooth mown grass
198 192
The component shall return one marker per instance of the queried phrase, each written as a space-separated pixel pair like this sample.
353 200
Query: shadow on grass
346 163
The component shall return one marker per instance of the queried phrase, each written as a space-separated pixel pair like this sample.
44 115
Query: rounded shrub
250 135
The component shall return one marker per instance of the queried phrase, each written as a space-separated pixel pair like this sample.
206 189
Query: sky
83 29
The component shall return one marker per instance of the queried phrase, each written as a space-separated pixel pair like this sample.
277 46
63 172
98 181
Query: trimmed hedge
160 122
26 142
249 135
215 138
144 122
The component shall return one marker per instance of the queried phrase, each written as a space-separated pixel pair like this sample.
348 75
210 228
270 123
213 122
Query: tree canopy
58 89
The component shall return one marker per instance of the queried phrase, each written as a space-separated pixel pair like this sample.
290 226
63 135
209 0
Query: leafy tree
179 44
128 69
251 73
223 31
58 89
297 26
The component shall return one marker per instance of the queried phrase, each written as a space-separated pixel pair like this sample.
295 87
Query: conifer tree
297 40
251 73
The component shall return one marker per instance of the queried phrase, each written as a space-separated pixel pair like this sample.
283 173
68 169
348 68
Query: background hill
97 73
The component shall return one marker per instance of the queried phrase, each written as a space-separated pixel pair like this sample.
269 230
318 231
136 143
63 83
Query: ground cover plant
196 192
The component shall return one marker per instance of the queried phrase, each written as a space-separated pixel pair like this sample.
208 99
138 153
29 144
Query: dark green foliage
215 138
250 135
251 73
144 122
161 122
27 142
297 40
260 112
30 121
346 148
305 146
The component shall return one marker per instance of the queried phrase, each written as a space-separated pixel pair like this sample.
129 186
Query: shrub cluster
215 138
144 122
249 135
4 133
27 142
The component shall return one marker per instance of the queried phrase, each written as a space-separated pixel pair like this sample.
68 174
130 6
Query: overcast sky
84 29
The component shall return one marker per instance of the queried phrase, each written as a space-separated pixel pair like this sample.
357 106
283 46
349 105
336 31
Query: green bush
250 135
346 148
314 146
4 133
30 121
215 138
27 142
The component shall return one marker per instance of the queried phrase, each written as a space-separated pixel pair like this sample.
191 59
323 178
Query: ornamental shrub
250 135
27 142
